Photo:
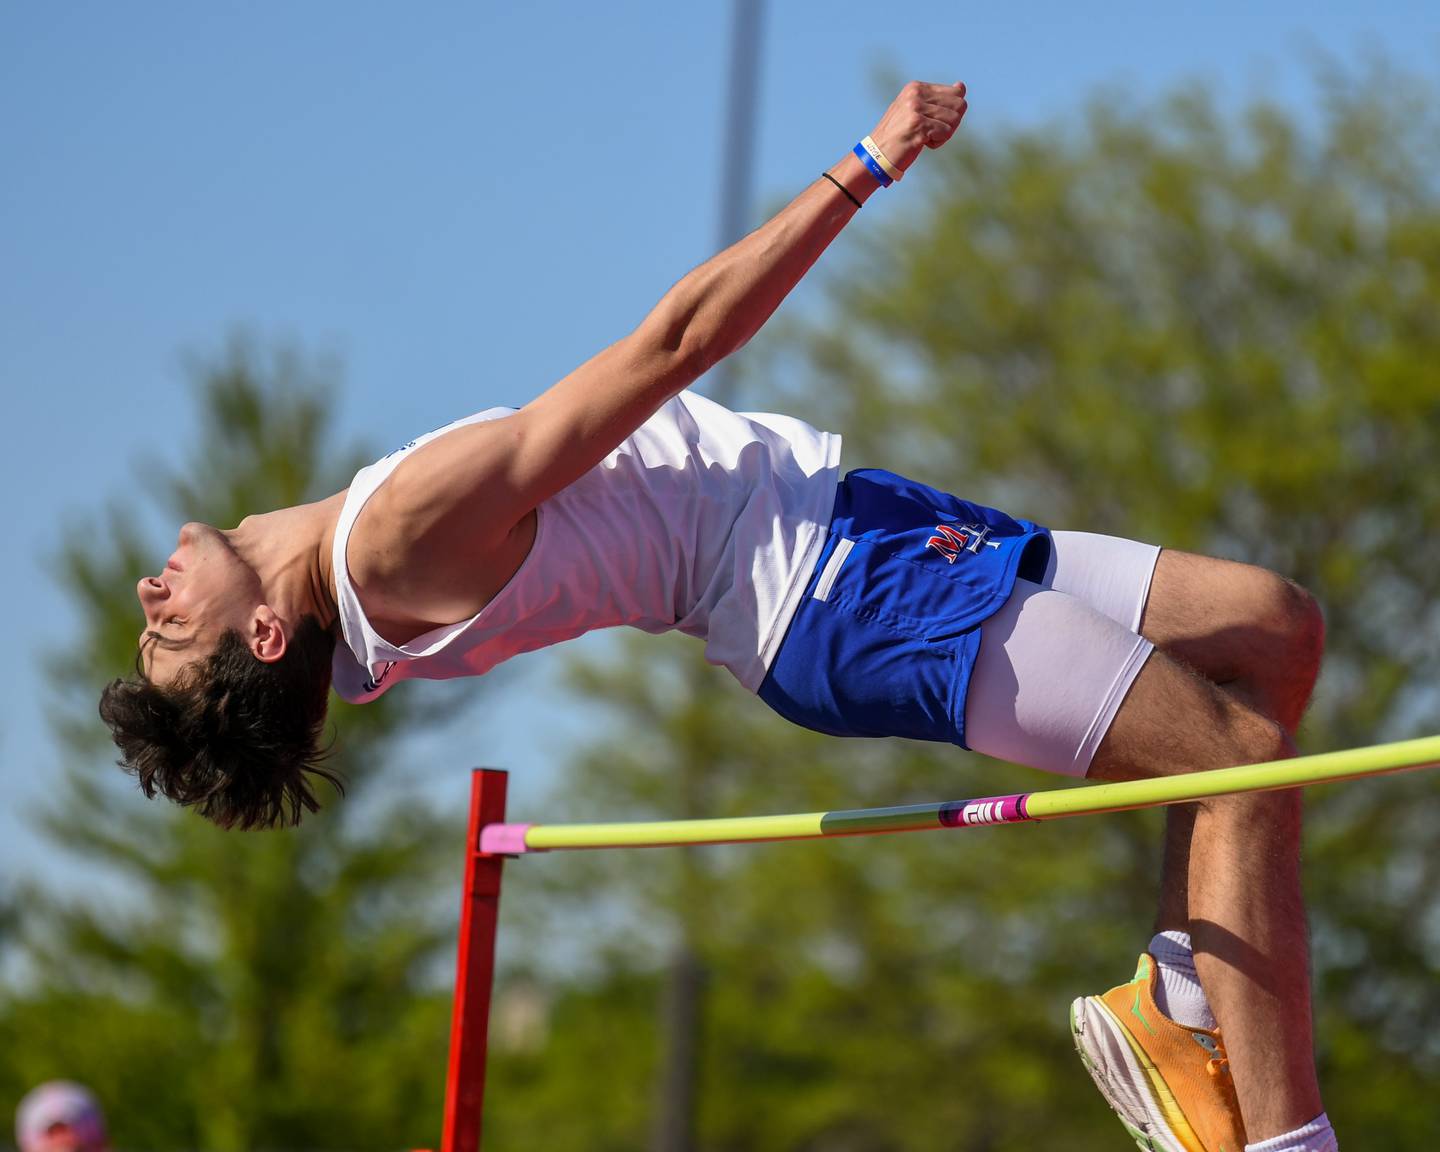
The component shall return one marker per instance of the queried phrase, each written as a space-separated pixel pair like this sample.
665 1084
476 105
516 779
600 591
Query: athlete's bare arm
448 528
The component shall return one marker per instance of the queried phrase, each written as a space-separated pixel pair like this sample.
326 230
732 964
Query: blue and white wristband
863 155
879 164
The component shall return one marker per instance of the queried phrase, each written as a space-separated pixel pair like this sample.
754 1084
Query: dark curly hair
234 737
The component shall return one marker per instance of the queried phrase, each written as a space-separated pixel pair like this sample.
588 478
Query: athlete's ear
267 635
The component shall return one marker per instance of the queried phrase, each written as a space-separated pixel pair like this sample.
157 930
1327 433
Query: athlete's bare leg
1257 635
1238 652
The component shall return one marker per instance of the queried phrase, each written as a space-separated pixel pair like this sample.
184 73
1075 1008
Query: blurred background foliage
220 991
1217 332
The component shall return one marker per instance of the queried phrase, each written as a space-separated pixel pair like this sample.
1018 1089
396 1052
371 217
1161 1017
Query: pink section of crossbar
504 839
989 810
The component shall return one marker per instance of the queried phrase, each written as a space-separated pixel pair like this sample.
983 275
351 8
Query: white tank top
705 521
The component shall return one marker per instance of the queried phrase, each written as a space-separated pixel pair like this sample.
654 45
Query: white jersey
705 521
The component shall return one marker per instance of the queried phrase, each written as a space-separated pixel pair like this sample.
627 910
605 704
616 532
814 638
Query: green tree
1214 329
234 990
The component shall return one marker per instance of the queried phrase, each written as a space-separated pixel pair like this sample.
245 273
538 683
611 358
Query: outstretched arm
476 484
710 313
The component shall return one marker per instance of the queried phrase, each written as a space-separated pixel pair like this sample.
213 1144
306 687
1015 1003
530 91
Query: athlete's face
204 589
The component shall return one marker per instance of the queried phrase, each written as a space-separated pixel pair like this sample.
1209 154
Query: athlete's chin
198 540
193 533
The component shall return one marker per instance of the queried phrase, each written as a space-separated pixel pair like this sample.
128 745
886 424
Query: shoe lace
1218 1066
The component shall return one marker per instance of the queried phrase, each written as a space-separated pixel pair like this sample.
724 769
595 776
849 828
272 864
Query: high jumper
857 604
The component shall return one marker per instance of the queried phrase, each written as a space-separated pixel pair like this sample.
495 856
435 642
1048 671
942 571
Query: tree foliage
232 990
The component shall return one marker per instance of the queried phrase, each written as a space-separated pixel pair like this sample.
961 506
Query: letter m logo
948 541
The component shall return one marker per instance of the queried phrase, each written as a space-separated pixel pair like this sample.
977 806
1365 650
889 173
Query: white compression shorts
1057 660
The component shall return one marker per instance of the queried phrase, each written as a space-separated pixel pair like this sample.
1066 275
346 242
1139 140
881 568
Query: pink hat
59 1104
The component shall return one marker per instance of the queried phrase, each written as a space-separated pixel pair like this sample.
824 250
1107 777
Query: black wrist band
848 194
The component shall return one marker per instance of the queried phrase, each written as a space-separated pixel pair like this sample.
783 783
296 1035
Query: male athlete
866 604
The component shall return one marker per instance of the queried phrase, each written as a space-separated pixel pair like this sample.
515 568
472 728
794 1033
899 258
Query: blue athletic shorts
887 632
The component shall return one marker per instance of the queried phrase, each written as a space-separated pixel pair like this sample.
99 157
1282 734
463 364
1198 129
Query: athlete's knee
1295 617
1278 662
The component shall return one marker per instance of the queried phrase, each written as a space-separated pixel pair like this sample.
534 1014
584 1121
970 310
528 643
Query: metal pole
474 969
683 1004
737 155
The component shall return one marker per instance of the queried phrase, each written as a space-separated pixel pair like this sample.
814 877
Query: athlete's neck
290 551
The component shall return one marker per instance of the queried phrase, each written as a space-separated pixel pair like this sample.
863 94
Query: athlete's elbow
678 349
674 370
697 353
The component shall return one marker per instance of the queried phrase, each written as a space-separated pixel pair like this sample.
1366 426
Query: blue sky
460 202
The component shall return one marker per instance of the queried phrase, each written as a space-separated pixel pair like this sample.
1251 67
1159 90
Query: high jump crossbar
490 841
1093 799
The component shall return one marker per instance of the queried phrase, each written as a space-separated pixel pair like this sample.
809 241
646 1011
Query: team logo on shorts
950 541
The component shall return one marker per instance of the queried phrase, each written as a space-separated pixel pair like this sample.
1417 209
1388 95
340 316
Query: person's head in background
60 1117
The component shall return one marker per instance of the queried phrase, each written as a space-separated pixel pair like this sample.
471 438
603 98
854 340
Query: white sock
1178 993
1316 1136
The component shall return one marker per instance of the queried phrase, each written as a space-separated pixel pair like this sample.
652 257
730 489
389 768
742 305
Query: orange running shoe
1170 1085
